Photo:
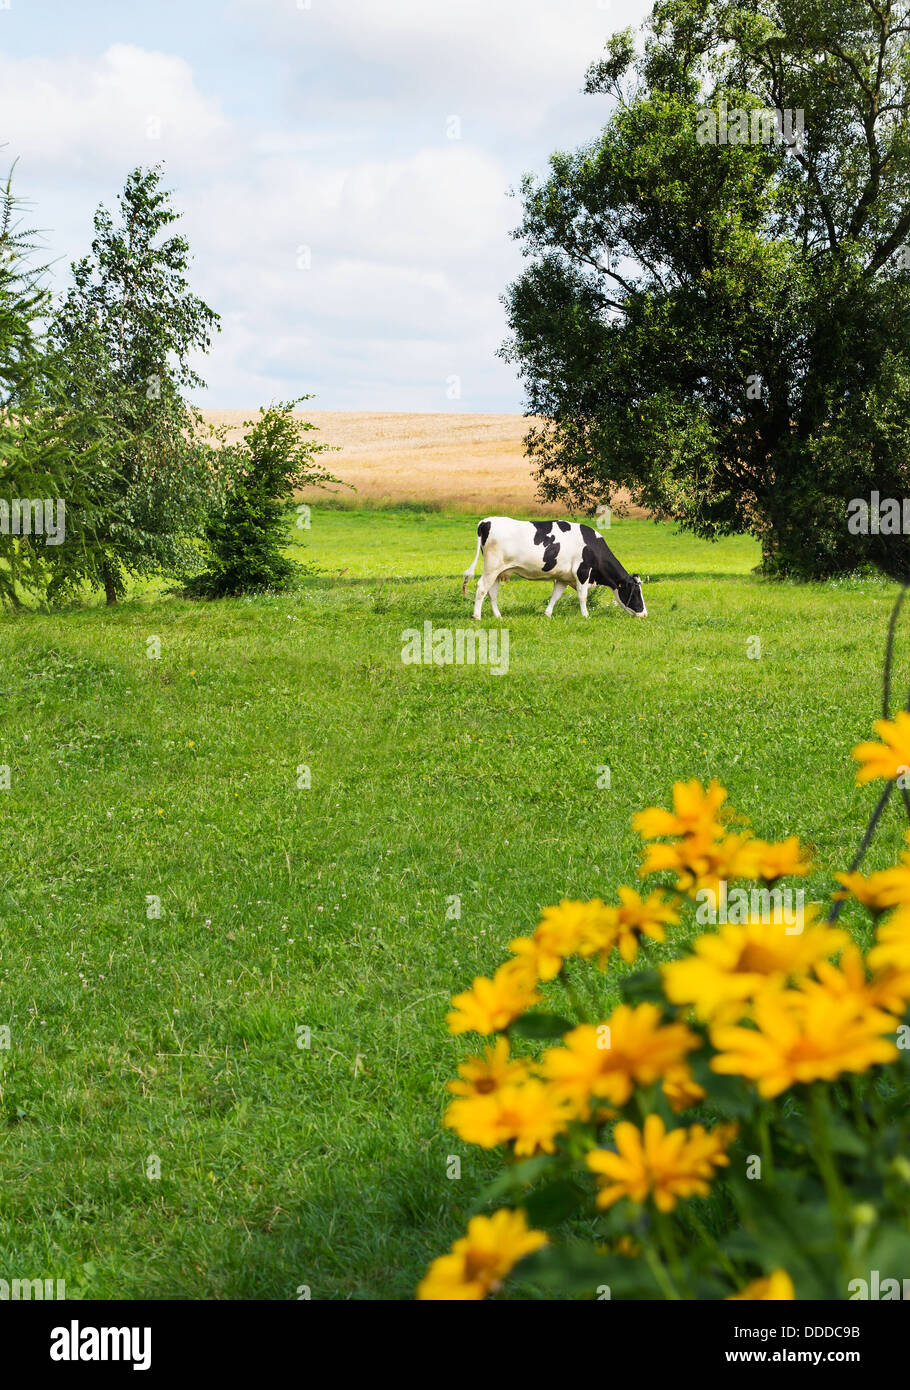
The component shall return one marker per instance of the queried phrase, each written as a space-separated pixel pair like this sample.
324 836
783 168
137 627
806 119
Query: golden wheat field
461 462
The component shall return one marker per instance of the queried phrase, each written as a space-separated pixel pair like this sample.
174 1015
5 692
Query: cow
572 555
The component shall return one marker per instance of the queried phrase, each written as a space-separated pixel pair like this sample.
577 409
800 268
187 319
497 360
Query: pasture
143 1045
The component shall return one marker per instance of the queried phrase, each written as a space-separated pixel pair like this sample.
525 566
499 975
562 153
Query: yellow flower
530 1113
633 1048
694 811
627 1246
681 1090
892 949
480 1260
776 1288
699 861
654 1163
562 932
780 858
888 758
803 1036
872 890
639 916
890 959
481 1075
888 989
730 966
885 888
491 1005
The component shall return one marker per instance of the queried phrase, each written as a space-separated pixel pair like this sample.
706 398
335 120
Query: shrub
246 532
737 1125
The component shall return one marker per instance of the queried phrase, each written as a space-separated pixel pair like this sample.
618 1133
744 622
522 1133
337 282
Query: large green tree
718 317
123 339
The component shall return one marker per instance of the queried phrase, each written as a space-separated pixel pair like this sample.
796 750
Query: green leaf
555 1202
540 1025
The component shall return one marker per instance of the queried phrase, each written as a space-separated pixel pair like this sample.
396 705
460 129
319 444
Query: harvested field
459 462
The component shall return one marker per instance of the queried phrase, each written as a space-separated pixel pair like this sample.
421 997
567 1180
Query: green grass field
136 1038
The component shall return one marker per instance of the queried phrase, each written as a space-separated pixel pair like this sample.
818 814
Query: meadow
241 1097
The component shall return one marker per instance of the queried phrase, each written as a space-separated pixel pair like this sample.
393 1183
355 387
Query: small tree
121 340
246 530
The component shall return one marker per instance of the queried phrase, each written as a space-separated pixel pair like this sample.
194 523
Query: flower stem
827 1167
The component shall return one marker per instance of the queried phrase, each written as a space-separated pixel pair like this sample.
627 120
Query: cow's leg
492 591
582 598
486 584
559 589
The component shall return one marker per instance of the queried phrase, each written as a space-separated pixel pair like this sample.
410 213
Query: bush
246 532
737 1126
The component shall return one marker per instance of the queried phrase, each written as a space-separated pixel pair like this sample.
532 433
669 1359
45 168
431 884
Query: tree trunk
110 586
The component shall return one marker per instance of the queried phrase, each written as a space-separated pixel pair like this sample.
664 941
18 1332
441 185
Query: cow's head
629 596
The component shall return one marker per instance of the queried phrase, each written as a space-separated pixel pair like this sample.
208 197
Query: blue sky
343 167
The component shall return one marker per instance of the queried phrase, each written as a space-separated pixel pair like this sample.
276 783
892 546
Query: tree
122 339
716 313
246 531
35 449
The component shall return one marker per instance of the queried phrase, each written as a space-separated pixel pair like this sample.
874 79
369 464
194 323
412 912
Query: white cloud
407 230
512 58
127 106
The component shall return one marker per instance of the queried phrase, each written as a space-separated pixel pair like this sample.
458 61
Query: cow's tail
469 572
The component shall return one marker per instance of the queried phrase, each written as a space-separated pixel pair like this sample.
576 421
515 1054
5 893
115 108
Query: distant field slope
472 463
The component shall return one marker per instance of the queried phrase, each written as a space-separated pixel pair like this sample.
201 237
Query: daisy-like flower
481 1259
481 1075
695 811
803 1036
681 1090
489 1006
891 953
701 861
872 890
605 1062
652 1162
782 858
888 989
776 1288
637 916
529 1113
562 931
729 967
888 758
883 889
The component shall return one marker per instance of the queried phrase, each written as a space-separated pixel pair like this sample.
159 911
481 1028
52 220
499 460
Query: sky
343 169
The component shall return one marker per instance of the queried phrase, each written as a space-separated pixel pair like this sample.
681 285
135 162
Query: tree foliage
723 328
122 340
35 446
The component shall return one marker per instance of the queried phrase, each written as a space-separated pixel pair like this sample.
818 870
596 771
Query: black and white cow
573 556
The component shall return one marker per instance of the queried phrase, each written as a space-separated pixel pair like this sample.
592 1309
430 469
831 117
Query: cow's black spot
543 532
564 525
550 555
483 533
588 566
607 569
